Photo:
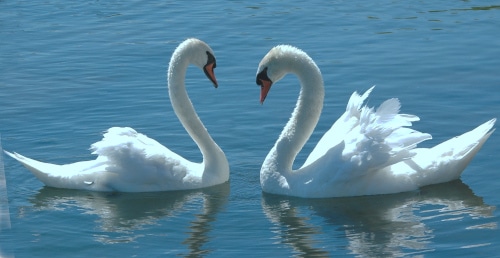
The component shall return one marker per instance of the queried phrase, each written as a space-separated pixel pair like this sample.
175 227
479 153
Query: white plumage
367 151
132 162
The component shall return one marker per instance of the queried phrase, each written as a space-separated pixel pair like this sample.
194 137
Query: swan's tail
446 161
79 175
40 169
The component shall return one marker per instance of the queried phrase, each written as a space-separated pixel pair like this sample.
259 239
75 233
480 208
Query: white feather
367 151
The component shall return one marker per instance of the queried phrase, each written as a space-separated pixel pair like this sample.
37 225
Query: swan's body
131 162
365 152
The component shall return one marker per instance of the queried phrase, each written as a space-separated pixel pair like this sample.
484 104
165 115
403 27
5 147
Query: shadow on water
383 225
127 213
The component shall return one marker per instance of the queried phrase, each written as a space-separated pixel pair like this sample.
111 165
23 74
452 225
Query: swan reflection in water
383 225
122 215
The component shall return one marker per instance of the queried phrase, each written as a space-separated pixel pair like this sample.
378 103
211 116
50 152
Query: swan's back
127 161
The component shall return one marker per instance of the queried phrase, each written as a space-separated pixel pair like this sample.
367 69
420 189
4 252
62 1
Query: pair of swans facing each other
365 152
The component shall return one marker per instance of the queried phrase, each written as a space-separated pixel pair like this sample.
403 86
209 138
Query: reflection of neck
297 232
214 199
305 116
198 234
183 108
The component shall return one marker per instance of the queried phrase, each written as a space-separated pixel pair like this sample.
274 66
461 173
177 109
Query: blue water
71 69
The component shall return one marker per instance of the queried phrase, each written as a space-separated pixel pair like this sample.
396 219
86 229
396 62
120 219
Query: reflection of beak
209 72
265 86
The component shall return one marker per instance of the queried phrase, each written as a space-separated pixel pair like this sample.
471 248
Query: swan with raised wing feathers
128 161
367 151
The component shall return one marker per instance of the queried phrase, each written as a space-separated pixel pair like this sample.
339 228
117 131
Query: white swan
128 161
365 152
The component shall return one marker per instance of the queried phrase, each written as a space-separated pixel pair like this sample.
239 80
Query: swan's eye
262 76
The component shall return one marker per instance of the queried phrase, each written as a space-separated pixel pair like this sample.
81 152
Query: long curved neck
183 108
304 118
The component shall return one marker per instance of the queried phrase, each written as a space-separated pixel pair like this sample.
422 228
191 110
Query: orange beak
265 86
209 72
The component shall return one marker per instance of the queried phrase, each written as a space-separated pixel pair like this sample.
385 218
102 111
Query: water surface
70 70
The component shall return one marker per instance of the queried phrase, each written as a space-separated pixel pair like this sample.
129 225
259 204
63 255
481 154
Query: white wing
127 161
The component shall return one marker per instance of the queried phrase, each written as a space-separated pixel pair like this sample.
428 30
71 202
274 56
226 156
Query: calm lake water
71 69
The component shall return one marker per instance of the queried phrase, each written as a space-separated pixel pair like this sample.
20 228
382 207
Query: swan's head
279 61
199 54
